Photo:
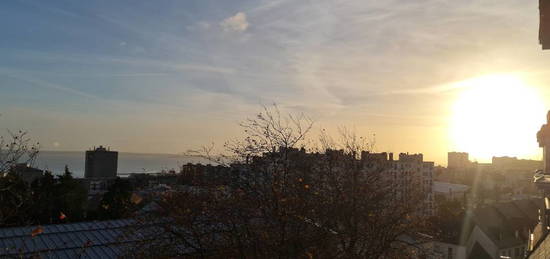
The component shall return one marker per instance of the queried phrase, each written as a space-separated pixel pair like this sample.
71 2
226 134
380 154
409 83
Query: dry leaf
37 231
136 199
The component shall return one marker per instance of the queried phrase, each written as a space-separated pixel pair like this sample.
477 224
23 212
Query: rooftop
97 239
444 187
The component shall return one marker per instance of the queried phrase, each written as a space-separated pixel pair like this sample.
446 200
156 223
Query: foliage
58 199
448 222
47 200
117 202
43 191
71 198
15 198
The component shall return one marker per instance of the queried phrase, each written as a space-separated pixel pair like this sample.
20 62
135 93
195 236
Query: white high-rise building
409 176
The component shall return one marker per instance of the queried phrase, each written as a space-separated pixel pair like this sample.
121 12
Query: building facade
101 163
442 250
410 175
458 160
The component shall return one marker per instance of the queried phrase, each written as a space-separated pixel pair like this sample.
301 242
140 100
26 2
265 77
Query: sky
167 76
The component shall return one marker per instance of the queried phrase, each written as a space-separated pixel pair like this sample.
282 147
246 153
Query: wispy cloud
170 65
426 90
198 26
47 85
236 23
344 60
268 5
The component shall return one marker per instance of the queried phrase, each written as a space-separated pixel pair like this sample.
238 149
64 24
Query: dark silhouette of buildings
100 173
101 163
513 163
27 173
539 243
544 29
458 160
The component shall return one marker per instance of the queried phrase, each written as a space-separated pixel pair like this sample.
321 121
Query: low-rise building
27 173
450 191
442 250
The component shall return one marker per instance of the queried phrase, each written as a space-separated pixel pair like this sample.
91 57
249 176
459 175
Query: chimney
391 156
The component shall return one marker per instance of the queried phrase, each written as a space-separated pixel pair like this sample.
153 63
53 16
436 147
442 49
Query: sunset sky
427 76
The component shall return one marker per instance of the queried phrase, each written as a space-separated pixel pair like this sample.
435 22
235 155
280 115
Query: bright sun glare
497 115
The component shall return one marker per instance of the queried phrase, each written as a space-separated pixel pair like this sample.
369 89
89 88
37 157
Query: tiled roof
98 239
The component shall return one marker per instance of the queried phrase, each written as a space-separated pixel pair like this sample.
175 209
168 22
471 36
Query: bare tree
285 201
270 131
14 149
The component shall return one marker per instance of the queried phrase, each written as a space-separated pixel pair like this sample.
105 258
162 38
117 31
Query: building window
450 253
516 250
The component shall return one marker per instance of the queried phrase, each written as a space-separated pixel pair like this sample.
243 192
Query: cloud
47 85
237 23
199 26
169 65
269 5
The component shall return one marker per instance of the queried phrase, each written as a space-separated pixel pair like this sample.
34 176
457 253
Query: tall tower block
101 163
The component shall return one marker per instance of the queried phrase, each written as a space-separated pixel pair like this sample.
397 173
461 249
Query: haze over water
127 162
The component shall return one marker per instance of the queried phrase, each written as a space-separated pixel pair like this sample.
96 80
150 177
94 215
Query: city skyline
165 77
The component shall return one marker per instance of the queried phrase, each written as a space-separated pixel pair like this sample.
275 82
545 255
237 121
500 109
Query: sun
497 115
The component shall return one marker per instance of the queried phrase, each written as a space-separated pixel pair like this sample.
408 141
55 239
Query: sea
128 163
